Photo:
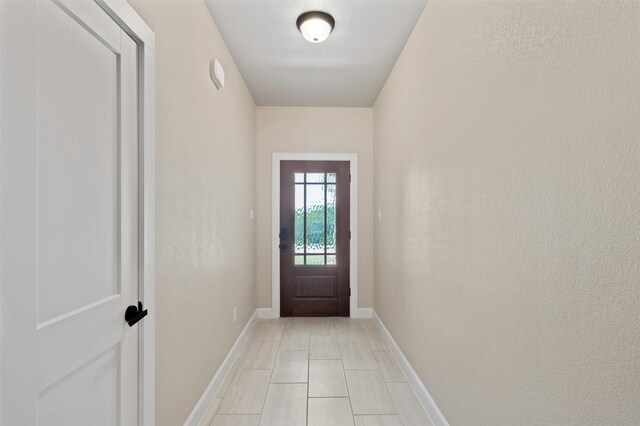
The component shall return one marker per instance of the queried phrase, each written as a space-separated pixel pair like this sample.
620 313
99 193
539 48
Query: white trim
200 410
147 354
265 313
129 20
435 415
365 312
275 222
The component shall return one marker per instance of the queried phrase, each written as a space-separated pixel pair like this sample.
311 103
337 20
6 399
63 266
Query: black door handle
284 235
134 313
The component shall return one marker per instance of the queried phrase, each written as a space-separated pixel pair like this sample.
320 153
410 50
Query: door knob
134 313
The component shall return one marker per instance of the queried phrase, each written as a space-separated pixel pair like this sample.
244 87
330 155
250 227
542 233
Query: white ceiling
281 68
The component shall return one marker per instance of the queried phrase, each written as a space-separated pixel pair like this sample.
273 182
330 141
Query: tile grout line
268 385
344 374
308 376
270 377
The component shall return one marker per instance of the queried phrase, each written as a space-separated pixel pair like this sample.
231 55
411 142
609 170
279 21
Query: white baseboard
200 410
265 313
418 387
365 313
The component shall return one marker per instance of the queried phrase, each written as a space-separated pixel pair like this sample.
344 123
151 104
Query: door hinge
349 177
349 234
349 291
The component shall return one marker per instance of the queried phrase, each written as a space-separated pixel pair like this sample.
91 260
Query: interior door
314 238
69 215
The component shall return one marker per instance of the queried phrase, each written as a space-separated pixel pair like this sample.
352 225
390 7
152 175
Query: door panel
316 286
78 137
81 171
65 344
68 403
314 238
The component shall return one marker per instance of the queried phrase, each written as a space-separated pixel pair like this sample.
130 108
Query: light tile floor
315 372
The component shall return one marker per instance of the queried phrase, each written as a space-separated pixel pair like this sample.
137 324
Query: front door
314 238
69 215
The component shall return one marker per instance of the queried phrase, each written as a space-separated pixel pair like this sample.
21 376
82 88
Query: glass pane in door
331 219
315 219
299 221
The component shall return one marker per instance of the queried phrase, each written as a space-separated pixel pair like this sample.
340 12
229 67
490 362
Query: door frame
277 157
23 320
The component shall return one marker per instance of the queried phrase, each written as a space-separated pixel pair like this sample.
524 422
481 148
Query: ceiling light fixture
315 26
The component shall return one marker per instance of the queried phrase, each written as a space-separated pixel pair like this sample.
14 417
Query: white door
69 215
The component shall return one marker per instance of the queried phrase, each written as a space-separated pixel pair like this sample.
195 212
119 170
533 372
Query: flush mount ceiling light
315 26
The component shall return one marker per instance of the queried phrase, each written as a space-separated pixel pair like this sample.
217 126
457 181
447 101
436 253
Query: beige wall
324 130
507 160
205 188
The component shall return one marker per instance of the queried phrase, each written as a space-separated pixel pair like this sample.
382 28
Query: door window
315 219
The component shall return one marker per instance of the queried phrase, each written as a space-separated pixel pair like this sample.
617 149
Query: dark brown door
314 238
